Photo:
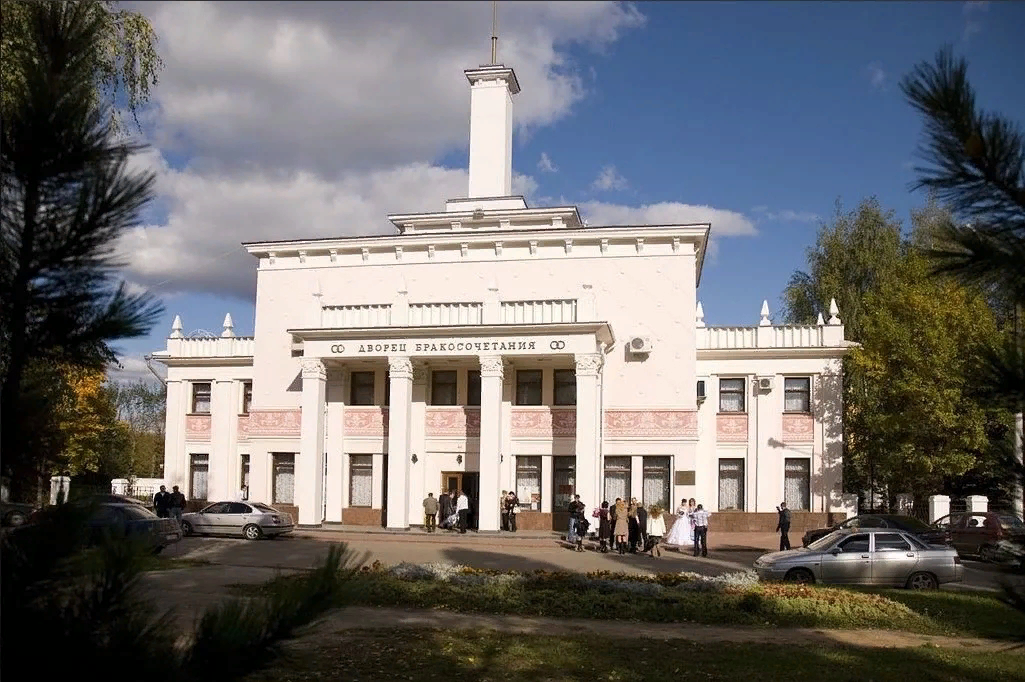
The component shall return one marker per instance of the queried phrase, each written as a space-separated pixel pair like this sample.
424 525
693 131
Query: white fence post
57 485
939 505
977 503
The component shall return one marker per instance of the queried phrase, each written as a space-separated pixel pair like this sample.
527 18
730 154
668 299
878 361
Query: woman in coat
634 527
621 529
604 528
656 529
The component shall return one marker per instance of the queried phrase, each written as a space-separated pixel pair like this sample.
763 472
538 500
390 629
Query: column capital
589 364
400 366
313 368
491 366
419 373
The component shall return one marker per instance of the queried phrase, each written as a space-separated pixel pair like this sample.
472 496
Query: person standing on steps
604 528
502 510
511 504
783 526
577 509
430 512
621 527
701 530
444 508
463 510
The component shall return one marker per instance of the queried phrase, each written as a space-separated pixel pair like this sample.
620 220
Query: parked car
14 514
136 521
992 536
865 556
251 520
908 524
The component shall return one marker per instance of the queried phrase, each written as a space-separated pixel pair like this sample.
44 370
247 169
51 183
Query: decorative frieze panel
651 424
243 427
274 423
453 422
366 421
197 427
798 428
544 422
731 428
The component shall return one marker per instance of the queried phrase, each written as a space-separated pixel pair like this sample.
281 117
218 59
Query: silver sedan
249 520
865 556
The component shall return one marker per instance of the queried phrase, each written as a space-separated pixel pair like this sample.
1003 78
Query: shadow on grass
460 655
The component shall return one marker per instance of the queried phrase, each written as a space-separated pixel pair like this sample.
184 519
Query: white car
250 520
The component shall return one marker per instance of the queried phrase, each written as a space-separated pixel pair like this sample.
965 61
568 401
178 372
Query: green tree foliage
125 63
141 407
67 195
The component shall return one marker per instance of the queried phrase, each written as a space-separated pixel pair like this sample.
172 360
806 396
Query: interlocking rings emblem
557 345
338 348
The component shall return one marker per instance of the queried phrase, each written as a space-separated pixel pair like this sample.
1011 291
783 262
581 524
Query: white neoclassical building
493 346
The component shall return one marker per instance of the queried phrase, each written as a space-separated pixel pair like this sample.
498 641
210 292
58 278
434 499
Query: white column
174 433
417 440
547 486
939 506
401 372
222 485
588 440
309 489
335 449
491 372
637 477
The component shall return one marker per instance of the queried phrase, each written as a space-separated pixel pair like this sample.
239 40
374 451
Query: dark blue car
134 520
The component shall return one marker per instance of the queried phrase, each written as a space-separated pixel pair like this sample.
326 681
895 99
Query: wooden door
451 481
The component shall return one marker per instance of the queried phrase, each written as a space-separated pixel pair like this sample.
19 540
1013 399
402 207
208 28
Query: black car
134 520
909 524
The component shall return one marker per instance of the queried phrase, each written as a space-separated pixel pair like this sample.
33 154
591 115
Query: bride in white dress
682 532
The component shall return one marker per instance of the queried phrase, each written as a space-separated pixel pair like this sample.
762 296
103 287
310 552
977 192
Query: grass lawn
937 612
374 655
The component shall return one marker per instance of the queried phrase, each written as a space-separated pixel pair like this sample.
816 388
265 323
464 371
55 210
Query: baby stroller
582 526
451 522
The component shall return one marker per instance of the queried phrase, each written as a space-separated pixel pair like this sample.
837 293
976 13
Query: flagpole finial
494 31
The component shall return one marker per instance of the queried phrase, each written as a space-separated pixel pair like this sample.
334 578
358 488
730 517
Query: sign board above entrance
509 345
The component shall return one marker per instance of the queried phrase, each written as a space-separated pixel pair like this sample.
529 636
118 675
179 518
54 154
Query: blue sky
772 111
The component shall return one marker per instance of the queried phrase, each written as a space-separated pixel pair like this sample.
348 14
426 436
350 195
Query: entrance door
471 486
451 481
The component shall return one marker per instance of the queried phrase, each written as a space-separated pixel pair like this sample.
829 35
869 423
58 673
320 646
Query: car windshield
827 541
1008 521
265 508
911 523
136 512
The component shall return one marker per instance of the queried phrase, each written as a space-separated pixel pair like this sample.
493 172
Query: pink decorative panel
243 427
542 422
798 428
197 427
731 428
651 423
274 423
453 421
366 421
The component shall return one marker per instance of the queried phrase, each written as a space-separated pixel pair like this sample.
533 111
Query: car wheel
252 532
922 581
15 518
800 576
186 529
988 553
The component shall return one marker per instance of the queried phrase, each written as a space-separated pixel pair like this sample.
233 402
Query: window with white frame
565 392
731 484
528 482
731 395
443 387
199 473
617 479
361 480
655 489
361 388
283 482
797 483
201 398
797 394
563 482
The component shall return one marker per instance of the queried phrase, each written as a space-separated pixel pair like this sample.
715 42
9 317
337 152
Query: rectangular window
361 388
199 472
731 395
528 387
201 398
361 480
797 483
443 387
797 394
247 396
473 387
617 479
528 482
731 485
563 482
387 389
244 482
656 482
565 387
284 478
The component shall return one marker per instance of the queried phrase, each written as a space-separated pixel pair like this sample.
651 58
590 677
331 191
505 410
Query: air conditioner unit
639 345
701 391
765 383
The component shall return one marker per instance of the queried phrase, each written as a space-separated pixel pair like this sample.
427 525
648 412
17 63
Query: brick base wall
745 522
363 516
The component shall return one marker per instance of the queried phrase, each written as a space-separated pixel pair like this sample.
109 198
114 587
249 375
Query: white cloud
545 164
132 368
786 215
877 76
973 24
609 179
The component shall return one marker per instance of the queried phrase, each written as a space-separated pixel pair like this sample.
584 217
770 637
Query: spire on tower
494 32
